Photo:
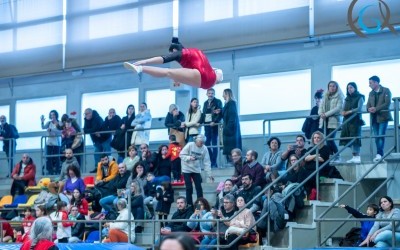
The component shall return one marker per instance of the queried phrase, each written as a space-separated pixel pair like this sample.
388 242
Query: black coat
232 138
181 226
164 207
79 228
137 205
174 121
109 125
94 125
311 125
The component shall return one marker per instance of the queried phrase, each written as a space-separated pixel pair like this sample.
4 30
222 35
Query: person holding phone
203 211
297 149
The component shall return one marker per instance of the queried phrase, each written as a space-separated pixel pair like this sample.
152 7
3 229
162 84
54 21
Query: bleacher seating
6 200
29 203
19 199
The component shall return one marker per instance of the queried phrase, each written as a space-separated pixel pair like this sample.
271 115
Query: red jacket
41 245
174 150
29 172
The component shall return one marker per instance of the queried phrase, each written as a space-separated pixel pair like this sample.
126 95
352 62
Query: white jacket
192 123
124 226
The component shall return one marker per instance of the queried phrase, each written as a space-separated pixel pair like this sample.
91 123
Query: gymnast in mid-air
196 70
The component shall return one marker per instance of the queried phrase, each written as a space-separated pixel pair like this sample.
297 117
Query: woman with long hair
78 200
162 164
137 205
192 122
63 228
53 142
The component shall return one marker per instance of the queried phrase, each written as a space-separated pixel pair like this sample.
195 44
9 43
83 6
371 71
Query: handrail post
318 233
396 124
393 234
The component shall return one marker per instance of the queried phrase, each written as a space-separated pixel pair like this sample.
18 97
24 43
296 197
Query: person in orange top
174 150
106 170
23 175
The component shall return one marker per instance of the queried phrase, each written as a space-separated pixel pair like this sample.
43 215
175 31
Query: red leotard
195 59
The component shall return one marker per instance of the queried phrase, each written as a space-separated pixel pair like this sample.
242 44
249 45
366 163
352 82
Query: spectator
19 235
165 197
137 205
272 161
296 174
182 212
126 126
119 230
372 211
139 174
8 233
110 191
162 165
69 160
150 190
202 212
73 181
142 124
378 104
106 170
298 149
381 232
52 142
27 220
40 236
177 242
311 124
132 158
249 191
43 197
40 211
63 228
111 123
23 175
76 147
228 187
174 149
239 223
78 200
253 168
232 137
78 228
93 124
352 104
9 140
330 114
211 109
192 122
147 157
68 135
195 157
237 160
174 119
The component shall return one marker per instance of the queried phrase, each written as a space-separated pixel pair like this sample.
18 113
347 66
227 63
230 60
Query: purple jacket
256 171
79 184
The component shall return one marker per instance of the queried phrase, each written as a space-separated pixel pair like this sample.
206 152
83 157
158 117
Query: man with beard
249 191
183 212
69 160
295 149
253 168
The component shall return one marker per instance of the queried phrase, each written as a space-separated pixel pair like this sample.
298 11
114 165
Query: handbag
77 141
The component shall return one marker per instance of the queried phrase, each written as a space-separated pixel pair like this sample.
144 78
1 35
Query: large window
5 110
158 101
279 92
219 90
28 112
252 7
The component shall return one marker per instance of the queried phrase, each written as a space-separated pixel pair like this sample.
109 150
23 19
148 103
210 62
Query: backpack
298 195
13 131
351 238
278 214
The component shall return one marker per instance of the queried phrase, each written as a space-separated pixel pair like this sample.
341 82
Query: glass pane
5 12
27 143
28 112
28 10
251 7
5 110
158 135
163 14
285 126
97 4
158 101
6 38
260 87
219 89
113 24
120 101
39 35
251 127
217 10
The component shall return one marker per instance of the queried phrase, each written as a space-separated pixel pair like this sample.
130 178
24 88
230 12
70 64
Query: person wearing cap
196 70
194 158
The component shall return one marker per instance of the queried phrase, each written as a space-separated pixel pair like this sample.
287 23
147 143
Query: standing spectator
132 158
352 104
142 124
111 123
126 126
77 148
69 160
73 181
232 137
192 122
330 116
52 142
211 108
165 197
8 138
272 161
174 149
378 106
174 119
237 160
63 228
311 124
92 126
68 135
78 228
23 175
41 236
195 157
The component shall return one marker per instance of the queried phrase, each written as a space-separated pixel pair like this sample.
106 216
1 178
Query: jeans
107 202
211 134
379 129
189 187
207 240
384 239
103 147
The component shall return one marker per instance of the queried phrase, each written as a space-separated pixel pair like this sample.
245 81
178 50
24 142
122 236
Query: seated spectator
296 174
297 149
139 174
174 149
237 161
41 236
272 161
73 181
192 122
78 228
107 169
43 197
202 211
78 200
178 242
253 168
69 160
228 187
249 191
110 189
162 165
372 211
132 158
381 232
27 220
142 123
23 175
165 197
150 190
147 157
63 228
137 205
174 119
7 232
238 224
19 235
182 212
118 231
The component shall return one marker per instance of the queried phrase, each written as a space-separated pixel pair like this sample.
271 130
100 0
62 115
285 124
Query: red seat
89 181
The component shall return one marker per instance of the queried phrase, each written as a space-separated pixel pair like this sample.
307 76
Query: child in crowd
150 189
28 220
68 134
372 211
19 235
165 197
63 228
173 153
